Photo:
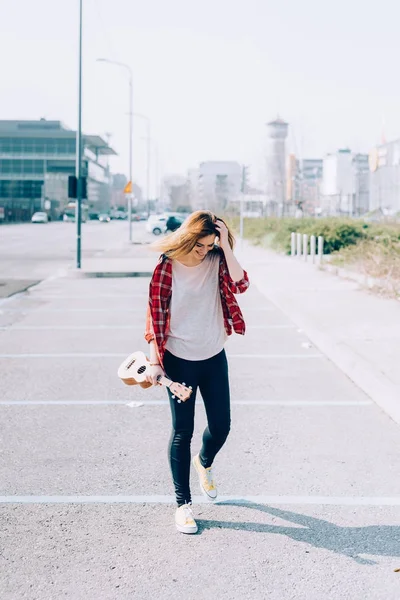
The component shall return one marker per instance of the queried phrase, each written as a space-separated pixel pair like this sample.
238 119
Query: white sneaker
206 479
184 520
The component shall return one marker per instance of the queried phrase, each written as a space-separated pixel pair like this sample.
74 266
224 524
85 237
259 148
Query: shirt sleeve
149 331
239 287
236 287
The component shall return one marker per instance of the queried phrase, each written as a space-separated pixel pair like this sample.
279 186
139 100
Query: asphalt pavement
309 483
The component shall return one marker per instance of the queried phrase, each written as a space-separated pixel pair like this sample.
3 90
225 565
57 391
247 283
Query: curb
108 274
16 286
366 281
363 373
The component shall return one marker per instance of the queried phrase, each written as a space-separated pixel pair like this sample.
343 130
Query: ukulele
133 372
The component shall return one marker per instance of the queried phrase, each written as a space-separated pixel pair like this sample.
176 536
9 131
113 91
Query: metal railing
305 246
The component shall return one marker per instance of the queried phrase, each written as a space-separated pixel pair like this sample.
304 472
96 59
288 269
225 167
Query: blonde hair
182 241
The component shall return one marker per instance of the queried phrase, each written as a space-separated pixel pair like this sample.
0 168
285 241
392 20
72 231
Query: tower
276 165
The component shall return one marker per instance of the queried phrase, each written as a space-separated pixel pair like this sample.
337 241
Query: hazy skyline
208 75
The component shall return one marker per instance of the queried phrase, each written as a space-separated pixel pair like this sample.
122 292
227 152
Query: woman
191 312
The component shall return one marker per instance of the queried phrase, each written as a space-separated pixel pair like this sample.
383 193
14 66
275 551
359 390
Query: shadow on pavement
378 540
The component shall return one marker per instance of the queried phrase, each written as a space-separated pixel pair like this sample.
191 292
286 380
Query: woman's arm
235 270
153 353
155 370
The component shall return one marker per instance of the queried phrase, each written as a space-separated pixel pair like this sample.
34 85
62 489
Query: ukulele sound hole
141 369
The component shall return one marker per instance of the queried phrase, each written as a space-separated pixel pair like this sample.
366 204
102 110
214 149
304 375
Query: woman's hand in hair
222 234
154 373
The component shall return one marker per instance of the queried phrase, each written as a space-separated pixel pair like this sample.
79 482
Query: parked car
118 214
174 222
104 218
40 217
156 224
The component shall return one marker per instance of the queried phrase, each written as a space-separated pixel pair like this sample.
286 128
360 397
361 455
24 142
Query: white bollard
320 249
293 244
305 246
313 246
298 245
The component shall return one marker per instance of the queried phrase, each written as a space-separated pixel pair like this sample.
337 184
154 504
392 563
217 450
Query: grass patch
337 233
377 258
370 248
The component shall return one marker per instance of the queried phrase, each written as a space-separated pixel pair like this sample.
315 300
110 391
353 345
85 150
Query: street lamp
78 168
148 139
127 68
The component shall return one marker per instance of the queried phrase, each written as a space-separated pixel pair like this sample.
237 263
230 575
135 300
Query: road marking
119 355
67 327
65 355
109 327
40 310
317 403
270 327
238 500
38 296
254 356
43 310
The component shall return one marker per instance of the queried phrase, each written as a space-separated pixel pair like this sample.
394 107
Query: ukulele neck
164 381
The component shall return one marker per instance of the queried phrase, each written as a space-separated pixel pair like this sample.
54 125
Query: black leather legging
211 377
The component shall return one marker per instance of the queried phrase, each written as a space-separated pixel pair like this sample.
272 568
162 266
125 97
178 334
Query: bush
378 258
371 248
337 233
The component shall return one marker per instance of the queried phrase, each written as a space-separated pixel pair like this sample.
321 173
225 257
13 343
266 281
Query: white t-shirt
196 329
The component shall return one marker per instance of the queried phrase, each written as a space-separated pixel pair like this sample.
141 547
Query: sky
209 75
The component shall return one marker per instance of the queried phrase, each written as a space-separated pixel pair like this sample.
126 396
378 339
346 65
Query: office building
384 163
219 184
36 158
346 184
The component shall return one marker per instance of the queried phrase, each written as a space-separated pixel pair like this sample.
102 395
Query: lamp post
78 168
127 68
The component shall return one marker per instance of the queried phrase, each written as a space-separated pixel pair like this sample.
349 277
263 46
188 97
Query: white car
156 224
40 217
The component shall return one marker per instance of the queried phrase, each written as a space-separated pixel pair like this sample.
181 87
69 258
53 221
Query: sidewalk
126 260
358 331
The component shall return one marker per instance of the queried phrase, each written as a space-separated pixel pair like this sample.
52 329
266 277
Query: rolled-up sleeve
149 331
239 287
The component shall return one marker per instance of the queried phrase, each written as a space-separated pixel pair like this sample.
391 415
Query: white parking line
68 327
39 296
43 310
109 327
254 356
317 403
119 355
238 500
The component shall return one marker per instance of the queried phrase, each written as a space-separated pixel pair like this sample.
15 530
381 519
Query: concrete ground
357 330
309 488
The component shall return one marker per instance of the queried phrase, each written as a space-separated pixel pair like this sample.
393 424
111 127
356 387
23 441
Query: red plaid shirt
157 322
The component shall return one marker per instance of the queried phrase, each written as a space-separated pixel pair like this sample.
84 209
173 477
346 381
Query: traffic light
73 187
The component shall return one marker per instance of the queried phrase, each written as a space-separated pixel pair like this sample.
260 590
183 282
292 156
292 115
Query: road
309 478
36 251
